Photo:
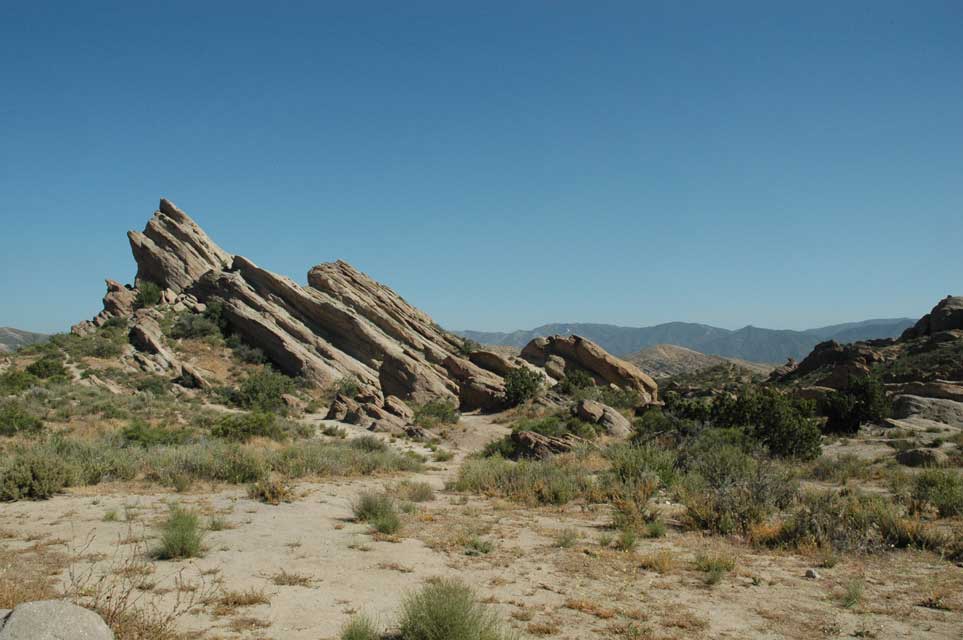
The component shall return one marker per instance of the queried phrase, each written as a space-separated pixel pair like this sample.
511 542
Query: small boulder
54 620
922 458
615 424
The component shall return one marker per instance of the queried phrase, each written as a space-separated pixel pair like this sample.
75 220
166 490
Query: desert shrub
360 627
850 522
140 433
241 427
565 538
415 491
271 490
436 412
33 476
467 347
15 381
181 535
447 609
354 457
863 400
346 386
839 469
249 354
633 462
262 390
214 312
148 294
156 385
573 381
941 488
379 511
101 345
530 482
727 490
214 461
15 418
47 367
194 325
714 565
521 384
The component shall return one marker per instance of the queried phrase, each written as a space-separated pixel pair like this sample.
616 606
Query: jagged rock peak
173 251
945 316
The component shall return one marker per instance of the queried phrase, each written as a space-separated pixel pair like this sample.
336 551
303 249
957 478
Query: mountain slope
12 339
749 343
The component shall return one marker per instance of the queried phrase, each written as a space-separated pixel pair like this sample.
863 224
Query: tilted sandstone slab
173 252
589 356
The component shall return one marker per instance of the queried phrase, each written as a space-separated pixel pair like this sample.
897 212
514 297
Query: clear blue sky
500 165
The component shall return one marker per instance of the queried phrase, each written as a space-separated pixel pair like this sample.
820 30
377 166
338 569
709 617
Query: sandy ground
582 591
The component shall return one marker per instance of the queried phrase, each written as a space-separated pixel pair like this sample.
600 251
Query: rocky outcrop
588 356
173 252
53 620
615 424
529 444
947 315
343 324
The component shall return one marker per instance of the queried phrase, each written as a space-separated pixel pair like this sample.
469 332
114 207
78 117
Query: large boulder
54 620
937 409
615 424
922 458
586 355
945 316
413 381
529 444
119 300
477 388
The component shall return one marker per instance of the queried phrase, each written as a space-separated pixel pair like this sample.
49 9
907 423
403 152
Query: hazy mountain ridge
749 343
12 339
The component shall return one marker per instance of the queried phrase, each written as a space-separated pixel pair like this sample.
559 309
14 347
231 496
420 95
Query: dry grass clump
273 491
284 579
555 481
715 565
662 562
230 601
415 491
591 608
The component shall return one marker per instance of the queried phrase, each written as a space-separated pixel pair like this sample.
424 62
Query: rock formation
341 325
581 353
945 316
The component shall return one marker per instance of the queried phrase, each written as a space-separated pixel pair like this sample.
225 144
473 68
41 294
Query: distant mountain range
12 339
749 343
666 360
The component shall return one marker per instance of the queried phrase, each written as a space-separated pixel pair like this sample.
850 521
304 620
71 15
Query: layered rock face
559 353
343 324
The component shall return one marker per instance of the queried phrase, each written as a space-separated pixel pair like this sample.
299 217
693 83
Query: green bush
33 476
15 381
47 367
181 535
467 347
447 609
140 433
863 400
241 427
784 425
574 381
521 384
379 511
156 385
941 488
262 391
148 294
14 418
194 325
436 412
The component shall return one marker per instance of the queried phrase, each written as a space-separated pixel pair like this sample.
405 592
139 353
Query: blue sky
500 165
